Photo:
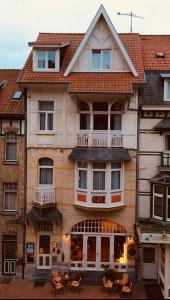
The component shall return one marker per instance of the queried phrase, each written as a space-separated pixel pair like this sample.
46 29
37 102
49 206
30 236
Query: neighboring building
11 173
153 227
81 93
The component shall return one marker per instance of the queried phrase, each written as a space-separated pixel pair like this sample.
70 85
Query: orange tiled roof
7 105
87 82
151 44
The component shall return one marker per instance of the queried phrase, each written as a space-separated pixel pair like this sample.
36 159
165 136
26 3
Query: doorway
149 266
44 258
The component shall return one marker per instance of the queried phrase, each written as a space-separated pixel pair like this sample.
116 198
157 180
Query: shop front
98 244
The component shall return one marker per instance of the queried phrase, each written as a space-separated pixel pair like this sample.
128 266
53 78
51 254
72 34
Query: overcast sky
21 20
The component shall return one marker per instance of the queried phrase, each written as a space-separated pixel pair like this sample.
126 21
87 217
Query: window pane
50 122
10 200
100 122
96 58
168 209
106 59
41 59
42 121
46 106
116 165
168 91
116 106
167 142
76 247
159 189
115 122
148 255
158 206
99 165
46 176
100 106
98 180
119 242
84 106
82 179
11 151
84 121
45 161
82 164
51 59
115 180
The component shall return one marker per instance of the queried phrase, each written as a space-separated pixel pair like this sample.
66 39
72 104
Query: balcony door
43 249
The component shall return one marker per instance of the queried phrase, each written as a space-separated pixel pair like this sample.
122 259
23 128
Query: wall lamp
66 235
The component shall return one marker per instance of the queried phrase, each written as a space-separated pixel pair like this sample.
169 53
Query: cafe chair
75 285
123 281
56 287
107 285
127 288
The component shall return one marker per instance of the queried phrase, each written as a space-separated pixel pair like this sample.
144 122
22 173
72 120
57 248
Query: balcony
99 200
102 139
44 196
165 159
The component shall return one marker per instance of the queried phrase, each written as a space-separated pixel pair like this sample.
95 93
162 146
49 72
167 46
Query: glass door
104 258
91 252
44 259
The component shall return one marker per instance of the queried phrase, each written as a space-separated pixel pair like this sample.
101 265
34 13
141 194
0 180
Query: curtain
50 121
115 122
98 180
10 200
11 151
46 176
96 57
83 179
42 121
115 180
105 59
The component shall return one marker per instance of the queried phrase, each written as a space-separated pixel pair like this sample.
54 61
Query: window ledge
45 132
9 213
11 162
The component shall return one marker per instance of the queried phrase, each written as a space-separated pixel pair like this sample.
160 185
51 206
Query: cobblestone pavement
24 289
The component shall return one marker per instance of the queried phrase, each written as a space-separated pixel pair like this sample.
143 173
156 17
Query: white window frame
45 167
12 191
57 61
121 172
166 83
14 141
99 170
46 130
101 60
78 177
160 196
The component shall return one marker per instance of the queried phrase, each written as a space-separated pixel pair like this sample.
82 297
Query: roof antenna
131 15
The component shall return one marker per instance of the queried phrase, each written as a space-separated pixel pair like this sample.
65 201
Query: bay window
46 111
161 202
158 201
99 171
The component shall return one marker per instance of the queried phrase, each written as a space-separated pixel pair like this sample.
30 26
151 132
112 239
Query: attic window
159 54
17 95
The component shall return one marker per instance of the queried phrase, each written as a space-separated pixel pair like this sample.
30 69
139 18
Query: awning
36 214
150 232
99 154
162 177
163 125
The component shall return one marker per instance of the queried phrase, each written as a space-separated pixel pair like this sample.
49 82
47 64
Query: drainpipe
25 179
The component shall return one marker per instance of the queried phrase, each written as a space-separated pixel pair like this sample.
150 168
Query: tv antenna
131 15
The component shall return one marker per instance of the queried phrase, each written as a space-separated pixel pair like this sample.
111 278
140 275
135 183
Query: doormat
39 283
153 291
5 280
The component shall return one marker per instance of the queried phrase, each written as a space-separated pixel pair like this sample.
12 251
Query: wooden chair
107 285
75 285
56 287
127 288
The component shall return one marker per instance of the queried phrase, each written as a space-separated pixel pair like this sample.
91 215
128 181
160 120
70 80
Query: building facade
11 173
153 226
81 94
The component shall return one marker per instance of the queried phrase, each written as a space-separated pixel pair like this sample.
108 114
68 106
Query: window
115 176
166 90
17 95
84 116
158 201
168 202
46 60
99 170
82 173
46 110
10 196
101 59
45 171
10 147
167 142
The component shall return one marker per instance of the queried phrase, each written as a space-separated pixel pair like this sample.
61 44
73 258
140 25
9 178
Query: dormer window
46 60
101 59
167 90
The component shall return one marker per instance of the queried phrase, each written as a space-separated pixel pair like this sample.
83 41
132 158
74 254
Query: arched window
45 171
10 146
84 116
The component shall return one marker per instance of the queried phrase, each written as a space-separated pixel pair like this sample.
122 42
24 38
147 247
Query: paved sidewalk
24 289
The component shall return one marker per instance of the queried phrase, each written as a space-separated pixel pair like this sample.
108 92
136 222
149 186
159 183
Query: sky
22 20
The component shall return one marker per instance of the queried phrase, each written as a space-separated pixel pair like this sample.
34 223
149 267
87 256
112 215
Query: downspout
25 179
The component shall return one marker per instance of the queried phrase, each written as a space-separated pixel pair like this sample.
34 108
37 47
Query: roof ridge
73 33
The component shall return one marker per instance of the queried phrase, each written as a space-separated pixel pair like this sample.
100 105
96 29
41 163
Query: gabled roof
101 12
7 90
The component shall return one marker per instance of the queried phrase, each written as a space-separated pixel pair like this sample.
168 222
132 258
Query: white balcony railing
44 196
108 139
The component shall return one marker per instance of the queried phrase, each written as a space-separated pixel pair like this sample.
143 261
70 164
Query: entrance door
44 259
9 257
149 262
97 252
